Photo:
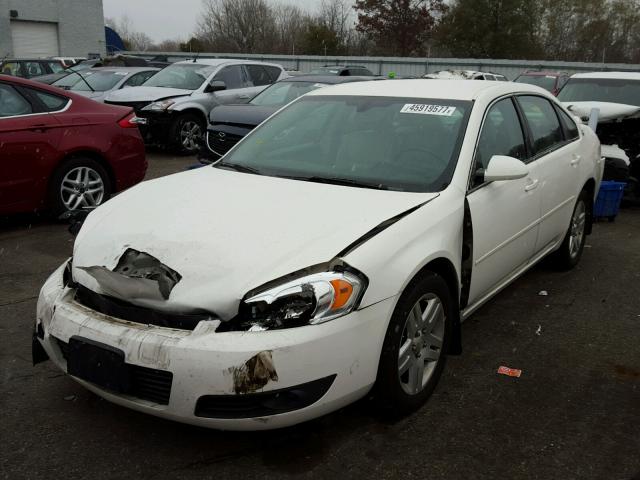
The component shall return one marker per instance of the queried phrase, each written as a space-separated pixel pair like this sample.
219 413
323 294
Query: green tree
399 27
492 29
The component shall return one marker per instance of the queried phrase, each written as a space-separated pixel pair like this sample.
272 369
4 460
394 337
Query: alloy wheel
576 233
82 187
190 135
421 343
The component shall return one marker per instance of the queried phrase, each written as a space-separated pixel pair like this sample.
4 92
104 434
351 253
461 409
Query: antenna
81 77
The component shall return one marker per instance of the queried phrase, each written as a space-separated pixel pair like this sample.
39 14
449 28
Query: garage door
34 39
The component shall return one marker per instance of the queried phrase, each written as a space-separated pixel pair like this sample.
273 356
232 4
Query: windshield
99 81
376 142
547 82
186 76
282 93
612 90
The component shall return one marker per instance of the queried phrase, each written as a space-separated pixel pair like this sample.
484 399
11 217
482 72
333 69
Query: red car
61 151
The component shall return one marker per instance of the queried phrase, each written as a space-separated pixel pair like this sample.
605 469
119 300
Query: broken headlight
312 299
159 106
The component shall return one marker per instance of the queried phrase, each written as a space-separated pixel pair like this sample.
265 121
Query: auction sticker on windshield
428 109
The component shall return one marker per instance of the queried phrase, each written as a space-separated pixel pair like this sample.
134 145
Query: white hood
226 232
145 94
608 111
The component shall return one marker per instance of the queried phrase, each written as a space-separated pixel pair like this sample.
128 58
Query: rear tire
186 134
570 252
79 183
414 353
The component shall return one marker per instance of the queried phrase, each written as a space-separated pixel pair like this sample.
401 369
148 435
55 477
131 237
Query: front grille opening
146 383
263 404
122 310
219 145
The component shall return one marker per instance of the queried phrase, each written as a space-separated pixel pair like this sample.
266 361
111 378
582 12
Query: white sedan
333 252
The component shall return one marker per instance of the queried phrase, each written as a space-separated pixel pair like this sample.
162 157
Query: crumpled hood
226 233
145 94
608 111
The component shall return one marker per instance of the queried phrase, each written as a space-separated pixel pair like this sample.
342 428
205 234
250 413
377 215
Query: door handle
575 159
531 185
243 96
39 127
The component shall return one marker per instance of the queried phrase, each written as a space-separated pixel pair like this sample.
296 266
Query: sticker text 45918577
428 109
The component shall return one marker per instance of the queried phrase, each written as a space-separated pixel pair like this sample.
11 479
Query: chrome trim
66 107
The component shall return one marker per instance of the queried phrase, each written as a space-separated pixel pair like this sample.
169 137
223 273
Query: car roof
214 62
618 75
328 79
543 73
122 69
427 88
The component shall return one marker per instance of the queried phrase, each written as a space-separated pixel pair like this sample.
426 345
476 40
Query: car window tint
231 76
34 69
52 102
12 103
570 127
501 135
274 72
11 68
258 75
543 123
56 67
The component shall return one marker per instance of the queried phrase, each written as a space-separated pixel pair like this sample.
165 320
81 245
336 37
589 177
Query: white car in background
336 249
175 103
616 98
465 75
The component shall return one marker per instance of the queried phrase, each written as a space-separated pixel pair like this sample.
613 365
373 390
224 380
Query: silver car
175 103
96 83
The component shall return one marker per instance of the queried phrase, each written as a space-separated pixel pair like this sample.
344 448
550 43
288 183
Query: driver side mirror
502 167
215 86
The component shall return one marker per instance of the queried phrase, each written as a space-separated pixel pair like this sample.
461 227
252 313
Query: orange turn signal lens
343 291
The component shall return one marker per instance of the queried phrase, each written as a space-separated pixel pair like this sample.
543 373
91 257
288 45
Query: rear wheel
79 183
570 252
413 354
186 133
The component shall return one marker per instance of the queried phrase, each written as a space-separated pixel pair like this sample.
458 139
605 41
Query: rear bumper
313 370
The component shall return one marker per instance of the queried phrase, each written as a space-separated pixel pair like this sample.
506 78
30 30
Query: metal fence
412 66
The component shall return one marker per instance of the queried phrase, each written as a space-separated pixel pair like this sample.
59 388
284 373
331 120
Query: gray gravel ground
574 413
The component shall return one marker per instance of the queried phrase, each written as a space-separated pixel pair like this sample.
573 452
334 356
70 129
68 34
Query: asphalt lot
573 414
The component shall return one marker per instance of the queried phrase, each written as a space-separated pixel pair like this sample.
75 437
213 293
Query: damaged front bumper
227 380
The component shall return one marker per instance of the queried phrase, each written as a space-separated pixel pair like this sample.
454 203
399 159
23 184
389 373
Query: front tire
415 345
570 252
187 132
79 183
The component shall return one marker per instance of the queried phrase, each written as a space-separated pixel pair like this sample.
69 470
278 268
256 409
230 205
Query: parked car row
332 253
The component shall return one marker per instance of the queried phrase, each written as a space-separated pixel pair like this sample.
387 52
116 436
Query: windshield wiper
342 181
238 168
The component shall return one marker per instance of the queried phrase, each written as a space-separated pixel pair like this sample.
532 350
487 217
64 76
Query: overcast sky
170 19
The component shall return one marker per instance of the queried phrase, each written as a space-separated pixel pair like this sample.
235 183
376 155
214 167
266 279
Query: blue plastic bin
608 201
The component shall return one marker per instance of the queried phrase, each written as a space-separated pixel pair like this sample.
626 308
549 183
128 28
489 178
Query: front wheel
415 345
187 133
570 252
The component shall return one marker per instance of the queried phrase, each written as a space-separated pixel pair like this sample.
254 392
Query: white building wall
80 24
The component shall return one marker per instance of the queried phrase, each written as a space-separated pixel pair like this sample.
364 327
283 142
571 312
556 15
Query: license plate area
98 363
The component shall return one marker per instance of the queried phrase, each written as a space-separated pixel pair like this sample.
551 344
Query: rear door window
56 67
546 133
231 76
50 102
274 72
13 104
34 69
258 75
